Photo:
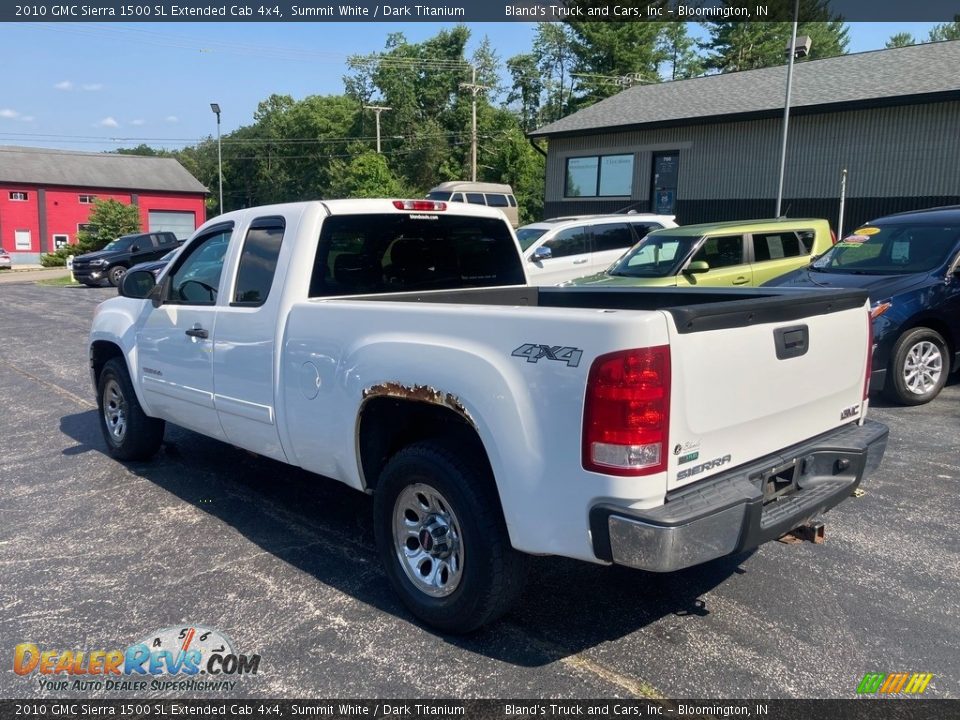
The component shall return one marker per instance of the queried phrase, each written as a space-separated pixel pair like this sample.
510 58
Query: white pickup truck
395 347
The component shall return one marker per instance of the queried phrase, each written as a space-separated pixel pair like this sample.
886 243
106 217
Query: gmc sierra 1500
395 346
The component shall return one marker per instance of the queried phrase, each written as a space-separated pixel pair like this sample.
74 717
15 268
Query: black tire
115 275
140 436
491 571
929 347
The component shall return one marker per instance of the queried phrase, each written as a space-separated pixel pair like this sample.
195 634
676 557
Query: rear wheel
918 368
115 274
130 433
442 539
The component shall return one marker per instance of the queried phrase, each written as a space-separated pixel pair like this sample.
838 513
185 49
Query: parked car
110 264
396 346
719 254
567 248
496 195
5 262
909 263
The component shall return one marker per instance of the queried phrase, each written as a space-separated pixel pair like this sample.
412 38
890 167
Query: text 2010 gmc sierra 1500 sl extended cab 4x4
395 347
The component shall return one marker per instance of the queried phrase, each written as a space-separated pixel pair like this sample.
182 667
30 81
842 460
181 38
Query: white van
495 195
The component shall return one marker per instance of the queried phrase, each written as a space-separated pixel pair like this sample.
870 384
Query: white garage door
181 223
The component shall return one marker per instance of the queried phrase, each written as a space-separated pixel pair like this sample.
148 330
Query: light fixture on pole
216 109
794 50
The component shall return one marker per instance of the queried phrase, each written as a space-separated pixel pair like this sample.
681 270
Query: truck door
176 339
244 368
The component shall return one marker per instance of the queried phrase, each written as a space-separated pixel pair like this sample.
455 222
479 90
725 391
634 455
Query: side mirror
134 248
541 253
698 266
137 284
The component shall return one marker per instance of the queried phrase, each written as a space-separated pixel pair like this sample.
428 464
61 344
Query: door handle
741 281
579 262
198 332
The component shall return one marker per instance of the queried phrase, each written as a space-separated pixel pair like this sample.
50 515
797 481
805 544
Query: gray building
708 148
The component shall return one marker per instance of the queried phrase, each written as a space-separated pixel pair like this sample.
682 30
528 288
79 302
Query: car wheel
919 367
442 538
115 275
130 433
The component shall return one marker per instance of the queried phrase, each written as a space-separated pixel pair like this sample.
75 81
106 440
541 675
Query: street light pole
786 106
216 109
377 109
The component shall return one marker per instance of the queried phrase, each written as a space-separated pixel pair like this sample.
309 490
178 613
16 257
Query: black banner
865 709
477 11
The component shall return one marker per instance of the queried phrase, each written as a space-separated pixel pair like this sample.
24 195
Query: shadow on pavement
566 608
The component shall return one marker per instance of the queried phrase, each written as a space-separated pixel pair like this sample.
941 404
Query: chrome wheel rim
427 540
115 411
922 367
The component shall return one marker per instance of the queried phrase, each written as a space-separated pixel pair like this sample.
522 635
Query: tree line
324 146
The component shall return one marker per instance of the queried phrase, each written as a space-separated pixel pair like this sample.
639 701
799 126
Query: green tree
527 89
614 55
553 48
946 31
365 175
680 52
111 220
899 40
750 45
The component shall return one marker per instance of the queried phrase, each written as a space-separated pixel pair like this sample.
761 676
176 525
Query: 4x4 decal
532 352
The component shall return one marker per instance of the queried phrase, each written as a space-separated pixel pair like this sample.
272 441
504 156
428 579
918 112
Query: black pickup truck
111 263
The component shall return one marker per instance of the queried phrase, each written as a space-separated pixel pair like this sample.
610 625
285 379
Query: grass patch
64 281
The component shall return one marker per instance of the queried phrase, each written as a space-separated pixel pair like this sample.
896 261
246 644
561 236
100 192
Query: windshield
890 250
118 244
657 255
528 236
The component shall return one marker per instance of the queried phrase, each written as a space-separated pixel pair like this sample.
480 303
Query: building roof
45 166
870 78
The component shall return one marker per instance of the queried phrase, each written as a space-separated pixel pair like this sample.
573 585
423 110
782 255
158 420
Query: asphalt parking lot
96 555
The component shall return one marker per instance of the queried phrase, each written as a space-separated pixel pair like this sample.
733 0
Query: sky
99 86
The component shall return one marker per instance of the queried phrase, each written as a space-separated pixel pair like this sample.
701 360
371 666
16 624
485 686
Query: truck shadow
566 608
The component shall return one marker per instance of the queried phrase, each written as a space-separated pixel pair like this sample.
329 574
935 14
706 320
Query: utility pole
474 89
377 109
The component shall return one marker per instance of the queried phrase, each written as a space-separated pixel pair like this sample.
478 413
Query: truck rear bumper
742 508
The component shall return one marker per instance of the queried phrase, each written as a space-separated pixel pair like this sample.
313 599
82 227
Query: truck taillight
420 205
626 416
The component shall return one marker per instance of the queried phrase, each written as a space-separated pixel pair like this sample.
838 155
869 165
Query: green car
744 252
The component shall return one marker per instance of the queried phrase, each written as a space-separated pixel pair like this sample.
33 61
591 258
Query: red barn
46 196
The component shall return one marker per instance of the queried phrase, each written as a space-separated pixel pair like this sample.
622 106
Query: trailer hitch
808 532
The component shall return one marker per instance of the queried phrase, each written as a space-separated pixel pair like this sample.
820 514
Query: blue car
909 264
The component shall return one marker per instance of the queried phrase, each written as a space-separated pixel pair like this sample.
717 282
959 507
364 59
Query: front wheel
442 538
918 368
129 432
115 275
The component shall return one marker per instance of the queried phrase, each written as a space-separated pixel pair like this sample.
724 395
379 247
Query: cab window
258 261
476 199
196 280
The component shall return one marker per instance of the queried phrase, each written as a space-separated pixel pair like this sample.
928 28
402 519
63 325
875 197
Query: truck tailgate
746 383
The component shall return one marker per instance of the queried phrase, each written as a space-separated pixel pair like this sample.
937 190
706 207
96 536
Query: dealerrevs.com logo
200 658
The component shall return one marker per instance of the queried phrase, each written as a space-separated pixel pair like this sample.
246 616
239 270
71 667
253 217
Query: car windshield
118 244
528 236
890 250
657 255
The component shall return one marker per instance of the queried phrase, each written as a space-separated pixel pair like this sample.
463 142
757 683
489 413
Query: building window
599 176
87 228
18 196
60 241
87 199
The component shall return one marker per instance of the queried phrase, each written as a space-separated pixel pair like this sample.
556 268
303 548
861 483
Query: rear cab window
374 253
